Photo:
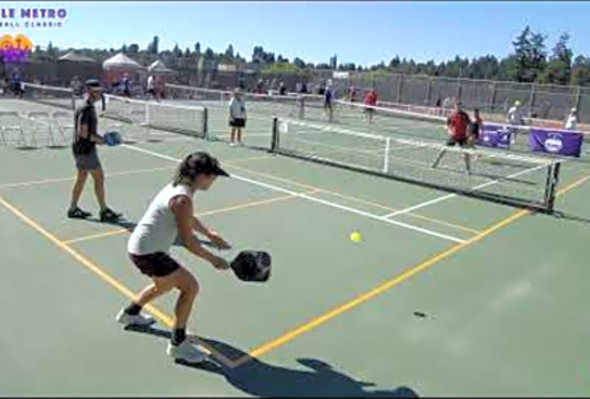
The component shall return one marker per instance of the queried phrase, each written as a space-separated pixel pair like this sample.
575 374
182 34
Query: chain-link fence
540 101
492 97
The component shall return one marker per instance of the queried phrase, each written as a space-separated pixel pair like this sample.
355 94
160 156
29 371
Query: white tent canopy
121 61
72 56
158 66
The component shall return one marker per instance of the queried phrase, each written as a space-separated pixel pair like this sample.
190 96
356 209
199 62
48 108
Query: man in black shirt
85 154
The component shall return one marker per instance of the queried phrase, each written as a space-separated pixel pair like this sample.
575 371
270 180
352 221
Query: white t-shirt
237 108
157 230
515 116
572 122
150 83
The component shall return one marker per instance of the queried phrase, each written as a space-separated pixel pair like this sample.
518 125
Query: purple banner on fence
495 136
562 142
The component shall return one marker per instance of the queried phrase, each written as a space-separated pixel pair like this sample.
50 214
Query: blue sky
360 32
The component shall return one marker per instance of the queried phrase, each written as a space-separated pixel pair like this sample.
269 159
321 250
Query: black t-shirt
85 115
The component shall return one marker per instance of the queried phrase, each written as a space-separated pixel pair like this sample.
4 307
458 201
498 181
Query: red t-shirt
371 99
458 122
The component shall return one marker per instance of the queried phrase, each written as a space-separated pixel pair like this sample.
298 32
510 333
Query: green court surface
450 296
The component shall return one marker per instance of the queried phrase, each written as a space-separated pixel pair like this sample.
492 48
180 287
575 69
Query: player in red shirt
457 124
370 103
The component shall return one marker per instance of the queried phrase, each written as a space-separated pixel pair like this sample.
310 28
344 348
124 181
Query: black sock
133 309
178 335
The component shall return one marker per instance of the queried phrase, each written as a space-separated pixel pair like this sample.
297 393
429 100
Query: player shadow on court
262 379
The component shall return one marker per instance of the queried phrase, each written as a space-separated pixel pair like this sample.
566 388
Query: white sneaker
135 320
232 144
186 351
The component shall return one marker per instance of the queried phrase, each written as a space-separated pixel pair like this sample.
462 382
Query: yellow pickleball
355 236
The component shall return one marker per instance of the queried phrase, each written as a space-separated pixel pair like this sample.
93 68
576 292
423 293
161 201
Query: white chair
11 122
63 121
41 122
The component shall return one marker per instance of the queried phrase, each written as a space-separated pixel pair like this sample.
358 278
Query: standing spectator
126 85
282 89
304 88
329 101
151 87
298 87
572 120
237 117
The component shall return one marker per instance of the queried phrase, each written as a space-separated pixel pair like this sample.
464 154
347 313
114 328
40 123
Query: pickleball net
188 120
61 97
496 176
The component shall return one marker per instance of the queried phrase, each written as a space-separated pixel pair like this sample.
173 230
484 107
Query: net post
206 123
74 101
302 107
386 159
552 180
274 145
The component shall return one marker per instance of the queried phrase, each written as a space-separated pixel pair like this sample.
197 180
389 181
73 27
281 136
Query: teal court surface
444 295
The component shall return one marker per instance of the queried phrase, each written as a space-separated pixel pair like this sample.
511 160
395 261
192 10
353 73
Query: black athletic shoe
109 215
77 213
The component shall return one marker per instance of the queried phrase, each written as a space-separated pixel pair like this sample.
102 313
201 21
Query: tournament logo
554 142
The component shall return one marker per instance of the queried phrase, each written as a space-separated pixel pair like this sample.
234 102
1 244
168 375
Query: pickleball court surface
459 296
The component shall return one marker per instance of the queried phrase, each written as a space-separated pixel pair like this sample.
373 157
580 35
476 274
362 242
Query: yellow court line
359 300
64 179
356 199
212 212
97 270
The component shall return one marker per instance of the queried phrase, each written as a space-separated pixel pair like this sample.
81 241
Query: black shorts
158 264
237 122
152 92
452 141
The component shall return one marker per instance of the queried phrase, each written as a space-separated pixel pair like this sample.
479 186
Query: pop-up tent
120 65
159 68
121 62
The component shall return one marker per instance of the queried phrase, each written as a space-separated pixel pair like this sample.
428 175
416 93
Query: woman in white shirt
237 117
170 215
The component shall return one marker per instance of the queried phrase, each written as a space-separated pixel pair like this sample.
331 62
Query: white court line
449 196
313 199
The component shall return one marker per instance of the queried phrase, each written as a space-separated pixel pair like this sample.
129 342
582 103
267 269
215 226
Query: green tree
229 52
581 71
299 63
153 47
133 48
559 68
177 51
209 54
198 47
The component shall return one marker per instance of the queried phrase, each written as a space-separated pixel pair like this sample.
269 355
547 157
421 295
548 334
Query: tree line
530 61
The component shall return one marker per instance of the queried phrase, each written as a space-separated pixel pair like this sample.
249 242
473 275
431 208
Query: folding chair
11 121
41 123
63 121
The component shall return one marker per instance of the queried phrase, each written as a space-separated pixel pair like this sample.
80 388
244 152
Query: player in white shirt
572 120
151 87
170 215
237 117
515 117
